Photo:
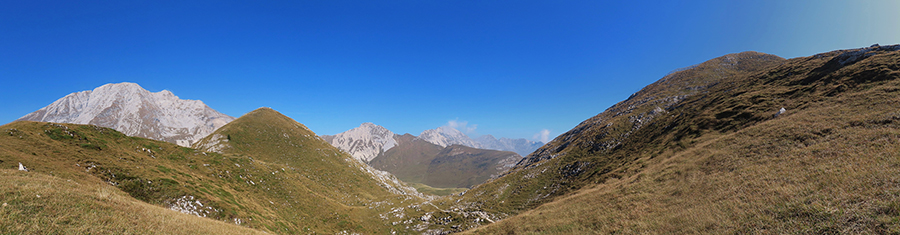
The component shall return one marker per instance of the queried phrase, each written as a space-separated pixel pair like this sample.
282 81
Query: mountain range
369 140
743 143
130 109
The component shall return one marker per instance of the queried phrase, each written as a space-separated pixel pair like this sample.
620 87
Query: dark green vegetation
277 176
417 161
702 151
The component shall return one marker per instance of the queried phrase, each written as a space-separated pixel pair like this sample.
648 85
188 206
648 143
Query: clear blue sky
513 68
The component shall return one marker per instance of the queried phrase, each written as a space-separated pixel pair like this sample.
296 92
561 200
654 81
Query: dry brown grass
36 203
831 165
759 180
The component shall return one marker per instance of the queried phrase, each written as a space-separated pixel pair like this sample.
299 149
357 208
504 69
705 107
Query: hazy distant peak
521 146
445 136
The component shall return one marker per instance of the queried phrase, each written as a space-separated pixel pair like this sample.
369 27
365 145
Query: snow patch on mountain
364 142
134 111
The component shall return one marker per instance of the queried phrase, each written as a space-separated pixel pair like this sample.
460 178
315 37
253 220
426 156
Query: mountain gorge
128 108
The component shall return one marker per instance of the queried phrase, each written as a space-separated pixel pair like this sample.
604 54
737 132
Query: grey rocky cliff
134 111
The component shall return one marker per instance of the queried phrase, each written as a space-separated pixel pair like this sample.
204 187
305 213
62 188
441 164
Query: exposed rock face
364 142
445 136
134 111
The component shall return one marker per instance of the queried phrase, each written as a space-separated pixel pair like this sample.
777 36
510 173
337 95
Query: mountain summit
134 111
445 136
364 142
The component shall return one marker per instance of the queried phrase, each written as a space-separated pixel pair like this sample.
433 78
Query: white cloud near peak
462 126
543 136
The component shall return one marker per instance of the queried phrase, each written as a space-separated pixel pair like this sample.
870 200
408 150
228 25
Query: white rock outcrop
364 142
134 111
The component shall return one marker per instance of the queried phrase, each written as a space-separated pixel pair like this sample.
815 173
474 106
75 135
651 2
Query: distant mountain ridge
369 140
445 136
134 111
443 157
521 146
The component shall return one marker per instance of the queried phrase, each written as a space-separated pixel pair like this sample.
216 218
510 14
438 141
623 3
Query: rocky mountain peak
134 111
364 142
445 136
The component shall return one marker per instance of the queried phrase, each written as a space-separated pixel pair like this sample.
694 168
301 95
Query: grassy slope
37 203
151 171
328 191
591 152
719 163
277 188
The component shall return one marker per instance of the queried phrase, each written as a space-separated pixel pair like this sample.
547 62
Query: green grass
422 188
37 203
273 186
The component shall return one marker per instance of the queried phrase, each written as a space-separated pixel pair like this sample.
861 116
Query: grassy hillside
326 188
37 203
807 172
152 171
593 151
296 185
719 161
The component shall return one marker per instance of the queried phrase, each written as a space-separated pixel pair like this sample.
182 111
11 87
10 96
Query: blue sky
507 68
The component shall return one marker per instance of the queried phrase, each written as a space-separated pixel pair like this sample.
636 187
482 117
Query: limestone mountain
445 136
130 109
364 142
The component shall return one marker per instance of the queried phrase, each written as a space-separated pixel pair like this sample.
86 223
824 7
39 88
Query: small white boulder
782 110
22 167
